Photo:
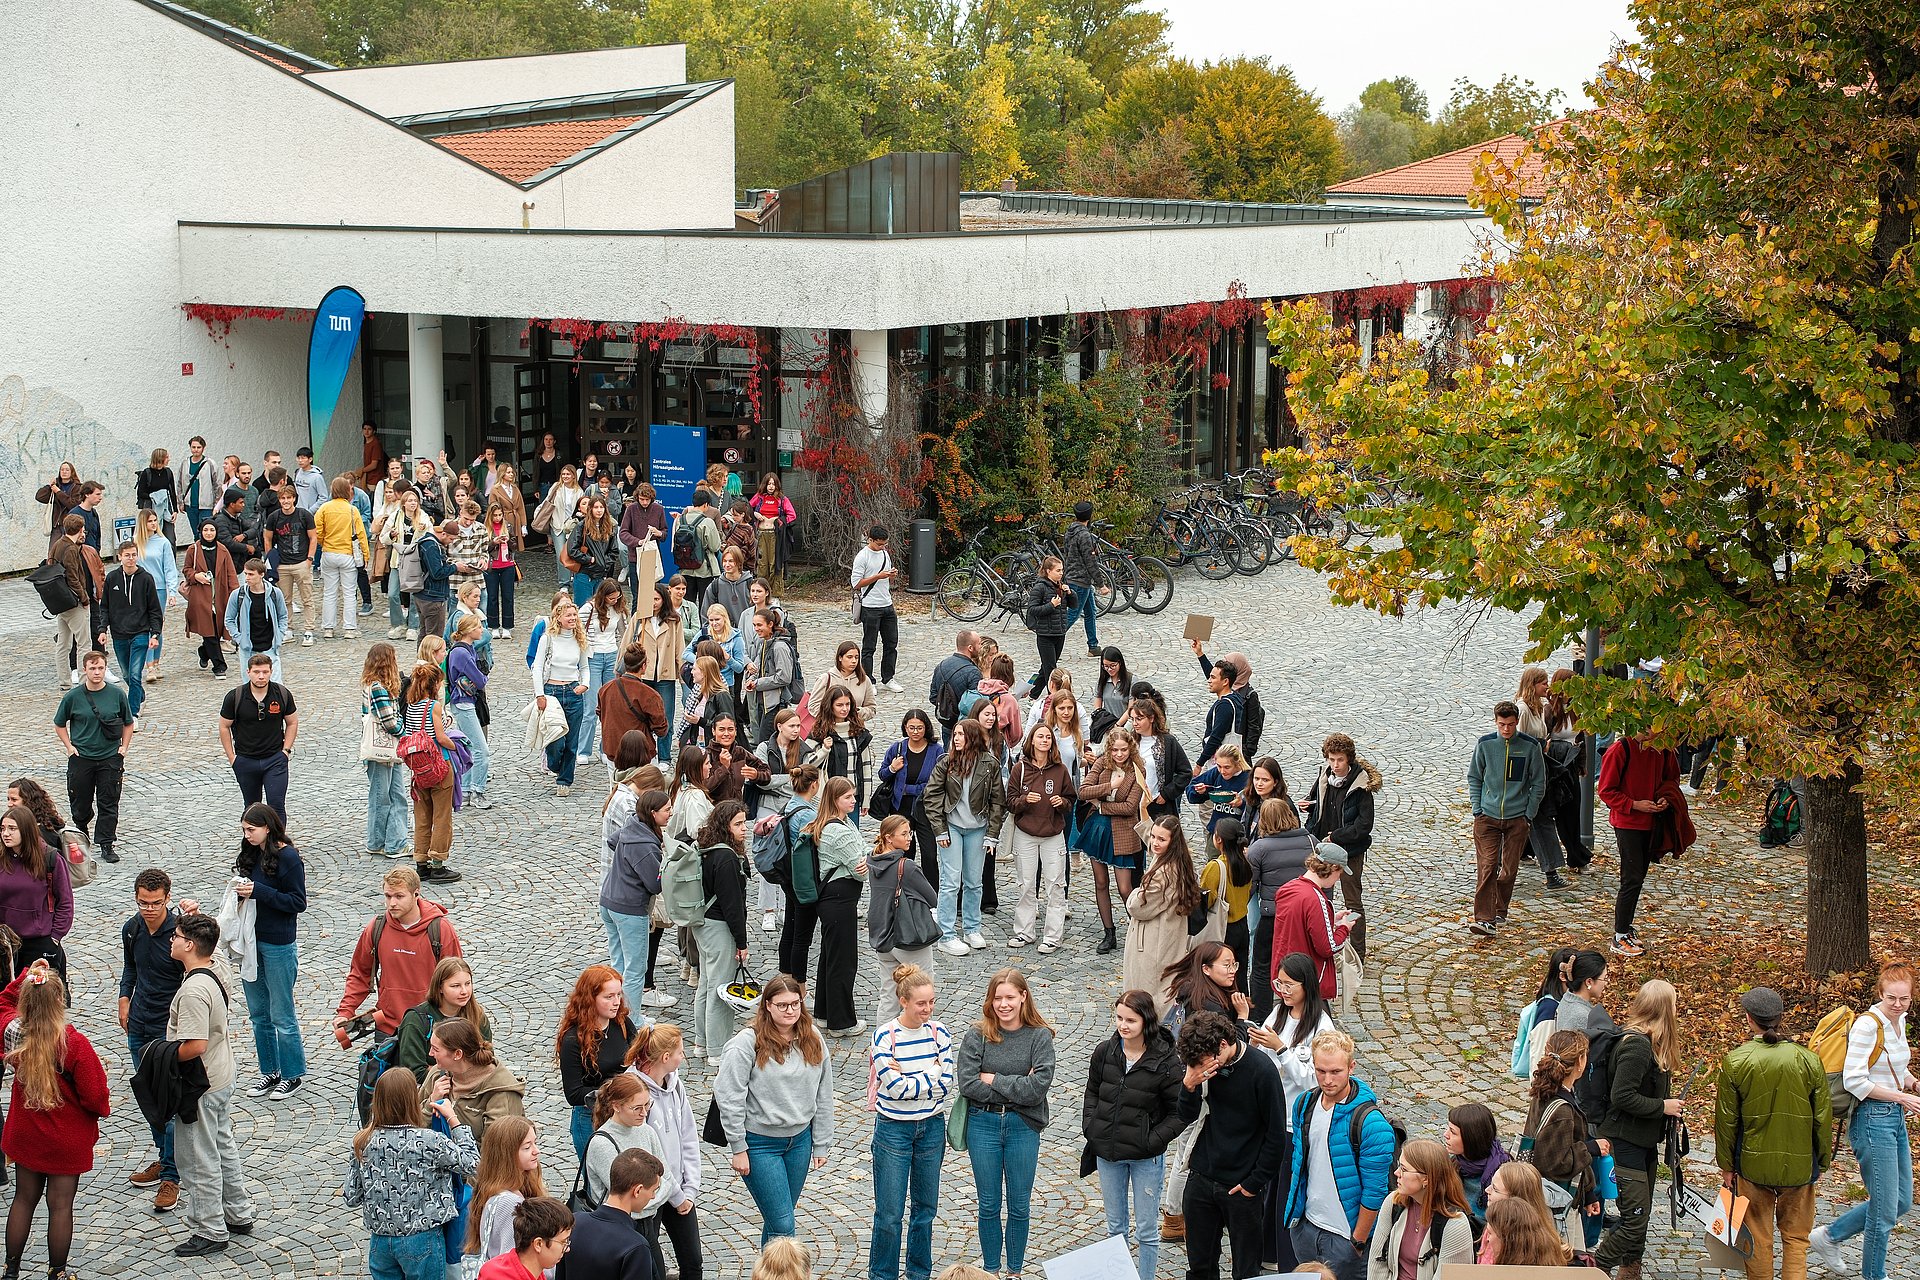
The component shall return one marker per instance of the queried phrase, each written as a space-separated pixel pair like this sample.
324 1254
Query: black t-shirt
259 622
259 725
290 532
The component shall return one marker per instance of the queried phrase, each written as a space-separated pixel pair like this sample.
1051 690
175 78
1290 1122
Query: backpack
682 885
56 593
1781 826
772 849
1253 721
378 1056
1593 1091
1356 1124
689 552
1829 1044
533 640
804 869
419 750
1520 1067
969 700
796 687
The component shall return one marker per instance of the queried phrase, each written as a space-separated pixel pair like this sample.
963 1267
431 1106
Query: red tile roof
519 153
1448 175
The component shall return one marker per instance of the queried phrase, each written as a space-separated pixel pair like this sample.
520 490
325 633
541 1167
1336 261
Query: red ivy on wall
1470 298
1347 306
220 319
656 334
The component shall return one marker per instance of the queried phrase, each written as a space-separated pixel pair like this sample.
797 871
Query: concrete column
1419 323
870 372
426 386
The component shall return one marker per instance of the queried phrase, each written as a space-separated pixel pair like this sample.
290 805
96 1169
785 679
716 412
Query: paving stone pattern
1435 1020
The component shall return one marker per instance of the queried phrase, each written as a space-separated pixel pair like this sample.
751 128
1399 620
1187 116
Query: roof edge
236 36
509 57
1474 148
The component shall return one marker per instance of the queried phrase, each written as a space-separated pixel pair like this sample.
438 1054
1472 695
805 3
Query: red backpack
420 751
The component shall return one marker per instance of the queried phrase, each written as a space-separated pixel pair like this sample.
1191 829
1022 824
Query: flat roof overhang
812 281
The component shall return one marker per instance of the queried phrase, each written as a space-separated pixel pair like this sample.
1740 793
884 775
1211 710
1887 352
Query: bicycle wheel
1256 546
966 593
1112 573
1152 585
1289 526
1215 554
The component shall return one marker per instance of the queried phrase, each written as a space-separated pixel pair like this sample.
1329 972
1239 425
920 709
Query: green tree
1474 114
1694 414
1387 127
353 33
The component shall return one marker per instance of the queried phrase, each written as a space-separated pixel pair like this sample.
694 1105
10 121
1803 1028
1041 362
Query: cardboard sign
1103 1260
1199 627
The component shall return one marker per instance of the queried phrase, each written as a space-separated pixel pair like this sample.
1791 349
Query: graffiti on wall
40 428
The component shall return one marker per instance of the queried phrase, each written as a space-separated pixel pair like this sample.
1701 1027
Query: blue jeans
1083 609
628 938
388 808
560 752
162 1134
276 1023
399 615
601 670
479 772
580 1129
963 857
776 1174
906 1159
132 653
1132 1185
663 753
583 585
1312 1243
1004 1149
420 1256
1878 1132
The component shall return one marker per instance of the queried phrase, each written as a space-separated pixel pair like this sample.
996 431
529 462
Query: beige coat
1156 938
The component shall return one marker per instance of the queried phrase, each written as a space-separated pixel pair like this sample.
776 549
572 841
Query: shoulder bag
913 924
377 746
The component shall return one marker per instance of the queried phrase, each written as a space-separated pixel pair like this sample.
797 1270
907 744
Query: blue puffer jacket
1364 1177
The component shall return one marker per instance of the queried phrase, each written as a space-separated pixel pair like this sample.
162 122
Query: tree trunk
1836 824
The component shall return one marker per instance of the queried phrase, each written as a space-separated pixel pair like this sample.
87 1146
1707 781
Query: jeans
713 1019
245 655
580 1129
337 589
882 625
906 1162
132 652
1210 1207
1496 854
400 608
561 751
276 1023
1003 1149
1791 1209
500 583
583 585
1878 1133
467 720
91 781
212 1183
1312 1242
420 1256
628 940
162 1134
386 807
602 669
1084 610
1130 1192
263 778
962 858
776 1174
663 754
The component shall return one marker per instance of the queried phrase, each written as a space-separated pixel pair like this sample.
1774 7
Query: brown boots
1173 1227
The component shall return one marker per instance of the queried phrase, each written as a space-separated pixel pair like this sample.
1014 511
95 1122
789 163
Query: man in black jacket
235 529
1238 1151
1079 551
957 675
149 975
134 620
606 1246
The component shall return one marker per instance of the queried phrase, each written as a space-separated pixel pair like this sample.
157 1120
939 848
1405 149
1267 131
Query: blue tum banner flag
336 332
676 462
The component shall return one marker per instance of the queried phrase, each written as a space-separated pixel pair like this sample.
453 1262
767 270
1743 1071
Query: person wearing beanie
1773 1133
1079 551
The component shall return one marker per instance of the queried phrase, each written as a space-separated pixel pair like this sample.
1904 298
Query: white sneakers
652 999
1825 1250
769 922
394 633
954 947
306 640
412 633
893 686
976 941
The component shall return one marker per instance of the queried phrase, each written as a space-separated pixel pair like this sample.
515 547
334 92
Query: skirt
1095 839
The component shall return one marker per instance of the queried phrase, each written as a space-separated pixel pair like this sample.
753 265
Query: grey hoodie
777 1100
672 1115
884 870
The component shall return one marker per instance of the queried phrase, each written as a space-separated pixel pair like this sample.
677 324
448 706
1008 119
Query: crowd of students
1222 1107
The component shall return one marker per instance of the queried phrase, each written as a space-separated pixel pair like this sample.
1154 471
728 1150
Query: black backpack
1356 1122
1594 1090
378 1056
56 593
1781 827
1253 721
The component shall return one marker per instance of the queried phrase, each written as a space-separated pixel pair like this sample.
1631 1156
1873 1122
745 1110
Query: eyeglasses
785 1006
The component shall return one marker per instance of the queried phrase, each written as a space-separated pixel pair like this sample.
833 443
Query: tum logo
340 324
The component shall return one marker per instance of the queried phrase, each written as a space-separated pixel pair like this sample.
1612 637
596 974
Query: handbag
957 1124
1352 972
712 1132
377 746
1208 922
580 1199
1100 723
913 924
880 807
82 866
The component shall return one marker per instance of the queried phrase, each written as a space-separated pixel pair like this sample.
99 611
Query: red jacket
1303 922
406 966
60 1141
506 1267
1629 772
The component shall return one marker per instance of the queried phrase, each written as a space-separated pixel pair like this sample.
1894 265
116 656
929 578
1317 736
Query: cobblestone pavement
1435 1022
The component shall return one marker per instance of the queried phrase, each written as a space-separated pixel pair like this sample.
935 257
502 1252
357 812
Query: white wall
486 82
805 282
677 172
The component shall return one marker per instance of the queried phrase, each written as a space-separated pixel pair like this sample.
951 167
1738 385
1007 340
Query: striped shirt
912 1070
1889 1068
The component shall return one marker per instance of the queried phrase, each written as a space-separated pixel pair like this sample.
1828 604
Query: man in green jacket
1773 1134
1505 780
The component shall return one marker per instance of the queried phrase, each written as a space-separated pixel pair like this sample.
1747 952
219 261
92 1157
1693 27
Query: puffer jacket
1132 1113
1277 859
1042 616
1365 1176
1350 823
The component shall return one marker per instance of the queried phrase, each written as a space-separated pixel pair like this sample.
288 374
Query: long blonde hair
1655 1014
42 1053
147 516
579 627
784 1258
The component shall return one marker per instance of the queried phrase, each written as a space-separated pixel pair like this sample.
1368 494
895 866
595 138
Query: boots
1106 942
1173 1228
1627 1271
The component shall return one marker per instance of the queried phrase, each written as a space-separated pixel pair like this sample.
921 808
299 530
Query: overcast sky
1336 50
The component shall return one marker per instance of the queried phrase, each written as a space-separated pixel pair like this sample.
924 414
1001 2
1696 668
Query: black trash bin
920 556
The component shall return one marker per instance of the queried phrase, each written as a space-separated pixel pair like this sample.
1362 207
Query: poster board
676 462
1199 627
1106 1259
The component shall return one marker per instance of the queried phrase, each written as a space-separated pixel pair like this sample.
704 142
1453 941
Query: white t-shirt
1149 762
1296 1064
877 595
1324 1209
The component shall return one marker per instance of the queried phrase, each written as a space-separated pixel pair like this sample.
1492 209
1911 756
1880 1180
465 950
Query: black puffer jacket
1348 824
1132 1115
1043 617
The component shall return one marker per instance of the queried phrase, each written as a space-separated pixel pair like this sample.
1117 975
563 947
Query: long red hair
579 1015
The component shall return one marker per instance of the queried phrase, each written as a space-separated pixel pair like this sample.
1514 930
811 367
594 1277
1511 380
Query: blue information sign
676 462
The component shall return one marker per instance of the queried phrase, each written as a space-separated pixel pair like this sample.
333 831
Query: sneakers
146 1177
954 947
1019 940
563 790
286 1088
306 640
893 686
198 1247
1625 944
413 633
652 999
1092 652
136 724
1482 928
266 1086
326 633
506 633
73 677
1825 1250
1555 881
847 1033
366 611
478 800
438 873
976 941
1048 948
769 922
166 1197
394 633
108 855
295 609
